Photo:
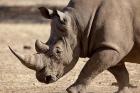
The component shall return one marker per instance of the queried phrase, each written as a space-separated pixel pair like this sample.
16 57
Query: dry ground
15 78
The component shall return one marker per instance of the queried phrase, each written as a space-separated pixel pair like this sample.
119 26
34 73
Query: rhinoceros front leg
100 61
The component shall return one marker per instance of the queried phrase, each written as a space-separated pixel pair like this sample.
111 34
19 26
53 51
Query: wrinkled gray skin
106 31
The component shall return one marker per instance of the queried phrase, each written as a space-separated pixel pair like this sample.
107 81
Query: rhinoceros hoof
76 89
125 90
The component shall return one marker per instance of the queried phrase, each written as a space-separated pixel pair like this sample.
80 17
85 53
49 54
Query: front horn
41 47
30 61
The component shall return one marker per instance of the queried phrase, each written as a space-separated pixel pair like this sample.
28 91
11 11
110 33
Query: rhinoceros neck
83 12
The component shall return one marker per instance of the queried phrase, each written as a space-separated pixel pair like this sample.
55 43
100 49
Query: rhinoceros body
106 31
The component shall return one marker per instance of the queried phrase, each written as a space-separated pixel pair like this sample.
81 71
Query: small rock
26 47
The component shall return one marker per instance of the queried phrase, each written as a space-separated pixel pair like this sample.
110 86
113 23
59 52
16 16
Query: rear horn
41 47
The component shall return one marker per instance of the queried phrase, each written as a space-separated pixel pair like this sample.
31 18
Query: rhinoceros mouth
50 79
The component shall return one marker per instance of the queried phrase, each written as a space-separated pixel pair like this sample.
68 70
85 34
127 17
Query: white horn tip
20 57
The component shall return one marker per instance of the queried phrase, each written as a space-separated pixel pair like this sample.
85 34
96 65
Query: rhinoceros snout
48 79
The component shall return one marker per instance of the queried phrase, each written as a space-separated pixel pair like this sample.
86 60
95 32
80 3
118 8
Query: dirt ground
16 78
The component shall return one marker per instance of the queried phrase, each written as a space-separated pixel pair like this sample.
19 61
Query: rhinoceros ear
61 16
47 13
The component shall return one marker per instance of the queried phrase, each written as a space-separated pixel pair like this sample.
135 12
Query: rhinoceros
105 31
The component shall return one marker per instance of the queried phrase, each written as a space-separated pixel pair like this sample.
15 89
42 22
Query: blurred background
20 25
20 11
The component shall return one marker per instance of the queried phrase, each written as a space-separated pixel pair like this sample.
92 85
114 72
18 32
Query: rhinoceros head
59 55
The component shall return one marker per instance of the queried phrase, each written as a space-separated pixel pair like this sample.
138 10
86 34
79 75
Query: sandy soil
15 78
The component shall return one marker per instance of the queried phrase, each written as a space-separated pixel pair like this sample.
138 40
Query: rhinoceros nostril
48 78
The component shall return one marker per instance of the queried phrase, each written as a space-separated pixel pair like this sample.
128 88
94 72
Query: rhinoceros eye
58 51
